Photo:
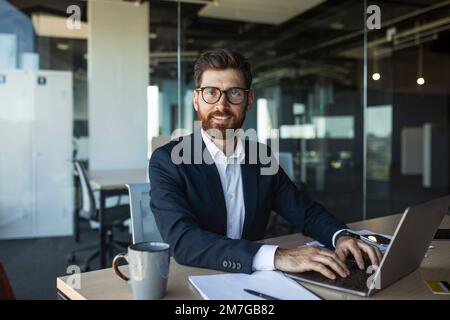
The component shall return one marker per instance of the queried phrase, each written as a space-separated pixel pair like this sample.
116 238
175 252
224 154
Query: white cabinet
36 182
16 206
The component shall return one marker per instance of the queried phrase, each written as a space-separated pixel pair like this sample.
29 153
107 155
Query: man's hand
346 245
310 258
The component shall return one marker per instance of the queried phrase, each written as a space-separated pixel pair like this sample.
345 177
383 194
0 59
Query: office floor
33 264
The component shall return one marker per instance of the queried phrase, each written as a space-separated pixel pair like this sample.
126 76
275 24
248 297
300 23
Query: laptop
404 254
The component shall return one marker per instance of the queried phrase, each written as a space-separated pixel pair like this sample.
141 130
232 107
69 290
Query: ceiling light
336 26
420 79
376 74
62 46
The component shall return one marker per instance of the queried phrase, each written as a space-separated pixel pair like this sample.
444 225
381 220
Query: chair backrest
287 163
159 141
143 224
88 209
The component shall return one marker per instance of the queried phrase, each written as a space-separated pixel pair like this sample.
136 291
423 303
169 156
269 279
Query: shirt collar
217 153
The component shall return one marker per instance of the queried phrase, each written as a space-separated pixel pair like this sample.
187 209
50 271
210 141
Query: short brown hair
222 59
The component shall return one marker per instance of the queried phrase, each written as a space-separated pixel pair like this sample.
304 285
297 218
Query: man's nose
222 104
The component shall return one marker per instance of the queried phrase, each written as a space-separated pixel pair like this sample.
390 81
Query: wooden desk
103 284
111 183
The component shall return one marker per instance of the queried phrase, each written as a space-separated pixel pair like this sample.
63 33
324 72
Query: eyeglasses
234 95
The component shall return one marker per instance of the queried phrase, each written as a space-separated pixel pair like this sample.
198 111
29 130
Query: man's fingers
371 252
356 252
337 259
331 263
343 253
316 266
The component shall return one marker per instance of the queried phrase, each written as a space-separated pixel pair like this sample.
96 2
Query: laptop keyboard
357 280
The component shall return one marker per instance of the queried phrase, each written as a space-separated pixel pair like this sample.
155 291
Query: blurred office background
363 115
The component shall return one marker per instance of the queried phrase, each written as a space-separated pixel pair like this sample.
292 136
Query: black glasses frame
202 89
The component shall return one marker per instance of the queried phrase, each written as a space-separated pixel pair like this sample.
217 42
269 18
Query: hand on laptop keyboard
326 262
311 258
347 246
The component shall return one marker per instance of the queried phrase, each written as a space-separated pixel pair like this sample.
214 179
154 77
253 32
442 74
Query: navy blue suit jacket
189 207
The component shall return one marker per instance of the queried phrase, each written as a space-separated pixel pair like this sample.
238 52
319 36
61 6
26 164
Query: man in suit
211 204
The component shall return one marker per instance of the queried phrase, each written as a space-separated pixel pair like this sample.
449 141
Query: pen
261 295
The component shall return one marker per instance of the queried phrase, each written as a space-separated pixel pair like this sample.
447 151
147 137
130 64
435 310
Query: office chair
143 224
159 141
114 219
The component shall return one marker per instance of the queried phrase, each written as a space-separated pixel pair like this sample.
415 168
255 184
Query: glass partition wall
408 106
361 113
357 129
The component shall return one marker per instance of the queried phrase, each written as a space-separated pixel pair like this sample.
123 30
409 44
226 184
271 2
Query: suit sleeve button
238 266
224 264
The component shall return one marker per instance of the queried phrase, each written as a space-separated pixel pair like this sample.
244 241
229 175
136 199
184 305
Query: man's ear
195 100
250 99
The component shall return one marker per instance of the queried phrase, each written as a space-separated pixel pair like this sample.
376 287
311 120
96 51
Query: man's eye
235 92
210 92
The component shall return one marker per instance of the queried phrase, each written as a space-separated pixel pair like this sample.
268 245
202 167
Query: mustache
220 114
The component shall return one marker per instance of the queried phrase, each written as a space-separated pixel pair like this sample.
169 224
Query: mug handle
116 267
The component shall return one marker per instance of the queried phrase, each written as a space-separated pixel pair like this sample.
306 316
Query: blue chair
143 224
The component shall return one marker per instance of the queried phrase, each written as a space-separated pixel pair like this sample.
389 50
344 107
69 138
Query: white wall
412 151
118 59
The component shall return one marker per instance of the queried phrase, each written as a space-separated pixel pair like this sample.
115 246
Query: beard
226 130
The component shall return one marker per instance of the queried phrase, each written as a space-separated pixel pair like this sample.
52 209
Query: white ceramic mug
148 264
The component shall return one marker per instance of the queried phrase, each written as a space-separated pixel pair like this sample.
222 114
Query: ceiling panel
258 11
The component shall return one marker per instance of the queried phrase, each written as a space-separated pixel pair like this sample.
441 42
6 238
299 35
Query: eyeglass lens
233 95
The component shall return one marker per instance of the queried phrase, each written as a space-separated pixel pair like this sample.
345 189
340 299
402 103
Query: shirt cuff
333 241
264 259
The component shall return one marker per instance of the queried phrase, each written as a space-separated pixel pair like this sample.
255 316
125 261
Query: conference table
103 284
112 183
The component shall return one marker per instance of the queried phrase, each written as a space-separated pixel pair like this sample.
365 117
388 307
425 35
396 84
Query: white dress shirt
231 179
